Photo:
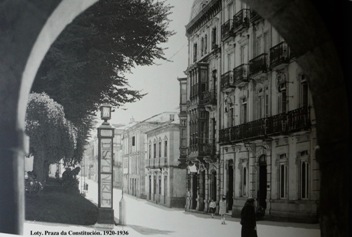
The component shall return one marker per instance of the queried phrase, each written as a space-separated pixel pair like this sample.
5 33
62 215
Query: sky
160 80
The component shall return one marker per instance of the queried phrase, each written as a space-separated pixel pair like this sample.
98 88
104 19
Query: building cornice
206 14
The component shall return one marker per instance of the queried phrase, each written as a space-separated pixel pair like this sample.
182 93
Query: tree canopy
86 66
52 137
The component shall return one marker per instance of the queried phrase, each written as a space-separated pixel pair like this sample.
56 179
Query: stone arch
297 21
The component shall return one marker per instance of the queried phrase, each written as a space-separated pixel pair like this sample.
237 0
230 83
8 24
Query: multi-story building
263 121
165 180
134 151
117 155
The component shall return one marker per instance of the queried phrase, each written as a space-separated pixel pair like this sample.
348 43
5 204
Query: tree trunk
38 164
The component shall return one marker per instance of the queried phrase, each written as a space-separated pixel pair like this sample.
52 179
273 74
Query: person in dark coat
248 221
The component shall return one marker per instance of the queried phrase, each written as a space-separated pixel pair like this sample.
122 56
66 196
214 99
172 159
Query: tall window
266 42
159 184
258 46
266 101
150 151
159 148
242 54
230 118
304 175
154 150
282 97
195 52
283 176
243 112
205 44
303 92
244 181
133 141
202 46
165 148
213 37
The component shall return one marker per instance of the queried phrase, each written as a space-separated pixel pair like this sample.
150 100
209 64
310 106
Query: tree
52 137
86 66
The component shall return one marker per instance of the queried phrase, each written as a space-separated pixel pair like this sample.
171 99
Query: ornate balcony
226 30
227 81
255 16
258 64
224 135
209 98
293 121
241 20
241 75
279 55
298 119
276 124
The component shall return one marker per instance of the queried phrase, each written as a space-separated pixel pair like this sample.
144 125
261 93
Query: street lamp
105 168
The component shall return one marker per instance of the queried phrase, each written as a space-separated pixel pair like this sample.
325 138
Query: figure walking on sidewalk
248 221
222 209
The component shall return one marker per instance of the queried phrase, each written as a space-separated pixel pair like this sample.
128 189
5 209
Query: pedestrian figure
212 207
248 221
222 209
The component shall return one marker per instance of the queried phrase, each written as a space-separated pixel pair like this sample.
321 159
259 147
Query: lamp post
105 168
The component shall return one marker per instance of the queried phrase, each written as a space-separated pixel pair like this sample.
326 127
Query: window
150 151
202 46
244 181
303 92
230 118
159 184
304 179
205 44
283 176
195 52
266 102
242 54
213 38
266 42
165 148
243 112
133 141
304 174
154 150
159 148
258 46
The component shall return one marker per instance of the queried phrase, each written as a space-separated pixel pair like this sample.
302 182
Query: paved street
145 218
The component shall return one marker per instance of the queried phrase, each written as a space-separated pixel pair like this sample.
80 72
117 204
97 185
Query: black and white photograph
176 118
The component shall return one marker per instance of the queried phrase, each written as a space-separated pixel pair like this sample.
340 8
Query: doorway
229 194
262 182
194 190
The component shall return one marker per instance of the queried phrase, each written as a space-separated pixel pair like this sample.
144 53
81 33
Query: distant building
165 180
134 150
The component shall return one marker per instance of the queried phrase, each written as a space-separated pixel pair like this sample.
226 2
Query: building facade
165 180
261 126
134 148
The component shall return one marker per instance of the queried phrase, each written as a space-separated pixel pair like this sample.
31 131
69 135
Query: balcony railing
241 20
279 54
284 123
255 16
209 98
298 119
240 74
224 135
258 64
227 80
226 29
276 124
